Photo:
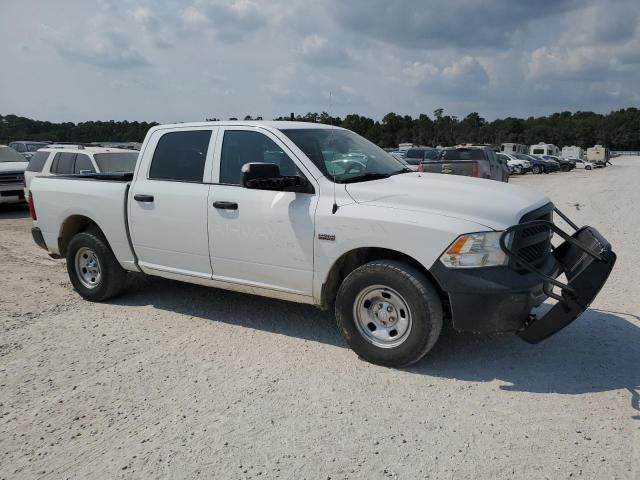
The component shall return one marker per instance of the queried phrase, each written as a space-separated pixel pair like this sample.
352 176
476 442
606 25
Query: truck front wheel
389 313
93 269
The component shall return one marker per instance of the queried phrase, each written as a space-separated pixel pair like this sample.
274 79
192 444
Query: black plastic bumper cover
500 299
36 233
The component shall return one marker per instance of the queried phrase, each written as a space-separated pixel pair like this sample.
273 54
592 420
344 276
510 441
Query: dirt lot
172 380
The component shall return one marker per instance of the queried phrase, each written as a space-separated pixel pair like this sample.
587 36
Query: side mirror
266 176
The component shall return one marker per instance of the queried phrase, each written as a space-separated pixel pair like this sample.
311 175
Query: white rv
598 155
544 149
513 148
572 152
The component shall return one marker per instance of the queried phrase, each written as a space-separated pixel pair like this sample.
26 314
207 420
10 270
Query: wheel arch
357 257
73 225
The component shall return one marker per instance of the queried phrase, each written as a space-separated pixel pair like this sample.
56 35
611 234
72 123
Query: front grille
12 178
533 244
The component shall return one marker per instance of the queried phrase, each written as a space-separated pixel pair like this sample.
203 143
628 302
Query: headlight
476 250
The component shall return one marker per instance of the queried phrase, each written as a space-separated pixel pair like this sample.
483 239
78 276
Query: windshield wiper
402 170
366 176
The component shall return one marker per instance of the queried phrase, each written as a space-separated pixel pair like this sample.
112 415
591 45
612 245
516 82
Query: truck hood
495 205
17 167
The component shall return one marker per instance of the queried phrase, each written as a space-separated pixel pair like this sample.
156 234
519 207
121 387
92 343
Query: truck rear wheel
389 313
93 269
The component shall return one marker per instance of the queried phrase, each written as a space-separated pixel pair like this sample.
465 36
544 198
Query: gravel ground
174 380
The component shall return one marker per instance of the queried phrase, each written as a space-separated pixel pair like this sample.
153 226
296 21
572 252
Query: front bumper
500 299
492 299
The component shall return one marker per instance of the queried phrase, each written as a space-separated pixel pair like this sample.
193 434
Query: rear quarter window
63 163
463 154
37 162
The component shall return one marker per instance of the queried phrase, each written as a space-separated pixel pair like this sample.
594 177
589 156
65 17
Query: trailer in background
572 152
598 155
544 149
513 148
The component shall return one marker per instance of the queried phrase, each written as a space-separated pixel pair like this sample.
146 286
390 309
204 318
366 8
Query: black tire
588 168
536 170
425 311
112 275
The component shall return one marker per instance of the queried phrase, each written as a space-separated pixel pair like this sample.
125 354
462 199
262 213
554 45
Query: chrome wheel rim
87 267
382 316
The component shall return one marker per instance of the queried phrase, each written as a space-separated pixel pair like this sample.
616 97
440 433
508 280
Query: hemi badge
326 236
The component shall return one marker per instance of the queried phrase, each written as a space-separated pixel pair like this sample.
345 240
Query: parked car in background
544 149
538 164
598 155
516 165
12 166
415 156
27 148
76 159
565 165
398 154
393 253
582 163
469 161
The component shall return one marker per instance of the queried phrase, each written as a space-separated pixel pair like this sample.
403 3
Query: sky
187 60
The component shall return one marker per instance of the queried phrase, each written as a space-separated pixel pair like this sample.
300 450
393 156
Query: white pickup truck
318 215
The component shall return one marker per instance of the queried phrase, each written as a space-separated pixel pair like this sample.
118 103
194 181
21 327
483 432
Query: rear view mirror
254 173
266 176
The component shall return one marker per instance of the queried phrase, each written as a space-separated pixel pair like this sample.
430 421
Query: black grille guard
586 259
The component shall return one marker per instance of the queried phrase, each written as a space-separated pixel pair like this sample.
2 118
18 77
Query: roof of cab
275 124
93 150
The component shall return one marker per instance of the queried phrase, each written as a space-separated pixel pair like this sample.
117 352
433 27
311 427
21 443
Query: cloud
108 49
232 57
432 24
464 76
316 50
229 20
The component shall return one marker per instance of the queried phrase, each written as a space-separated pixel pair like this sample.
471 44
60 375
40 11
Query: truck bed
100 197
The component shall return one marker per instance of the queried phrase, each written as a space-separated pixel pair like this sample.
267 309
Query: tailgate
452 167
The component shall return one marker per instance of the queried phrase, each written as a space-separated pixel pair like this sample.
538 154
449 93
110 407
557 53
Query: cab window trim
300 165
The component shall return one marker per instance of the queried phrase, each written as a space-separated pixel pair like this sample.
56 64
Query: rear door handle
143 198
226 205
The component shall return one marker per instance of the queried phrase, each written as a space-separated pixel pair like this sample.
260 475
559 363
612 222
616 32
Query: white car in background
516 165
582 163
12 166
78 160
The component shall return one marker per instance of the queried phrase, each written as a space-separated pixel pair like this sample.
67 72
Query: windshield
116 161
10 155
32 147
344 156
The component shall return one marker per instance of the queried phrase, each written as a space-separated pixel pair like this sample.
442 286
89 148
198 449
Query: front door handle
226 205
143 198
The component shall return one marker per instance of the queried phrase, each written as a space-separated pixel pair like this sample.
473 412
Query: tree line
619 130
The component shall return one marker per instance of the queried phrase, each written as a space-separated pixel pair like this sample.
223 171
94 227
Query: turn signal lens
476 250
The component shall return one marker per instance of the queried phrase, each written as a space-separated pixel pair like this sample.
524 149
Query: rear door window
180 156
64 164
37 162
83 164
